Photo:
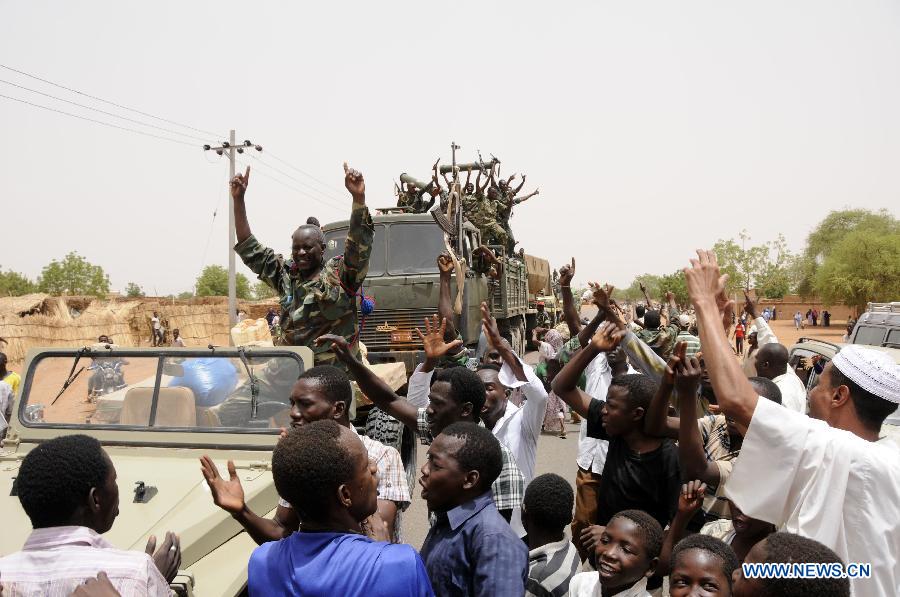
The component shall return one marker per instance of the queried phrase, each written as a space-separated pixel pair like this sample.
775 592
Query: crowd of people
692 460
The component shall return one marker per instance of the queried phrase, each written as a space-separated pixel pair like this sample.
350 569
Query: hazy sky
651 128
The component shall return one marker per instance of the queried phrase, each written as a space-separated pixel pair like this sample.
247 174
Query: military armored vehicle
176 405
404 280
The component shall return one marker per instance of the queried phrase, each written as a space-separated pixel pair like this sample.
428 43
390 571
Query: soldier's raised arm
519 200
358 246
519 188
238 188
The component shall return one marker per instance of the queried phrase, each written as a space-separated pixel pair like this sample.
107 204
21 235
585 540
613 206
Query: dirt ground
788 335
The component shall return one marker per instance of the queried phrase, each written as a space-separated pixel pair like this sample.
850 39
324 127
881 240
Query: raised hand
687 377
433 338
642 287
239 185
704 280
489 325
749 306
607 337
691 497
590 537
445 263
354 182
566 273
675 360
339 346
602 295
228 495
168 557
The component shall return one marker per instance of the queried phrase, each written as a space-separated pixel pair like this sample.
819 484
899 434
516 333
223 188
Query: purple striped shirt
55 560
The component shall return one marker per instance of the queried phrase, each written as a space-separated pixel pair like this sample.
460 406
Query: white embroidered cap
872 370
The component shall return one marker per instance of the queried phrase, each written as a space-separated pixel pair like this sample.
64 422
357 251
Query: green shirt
324 304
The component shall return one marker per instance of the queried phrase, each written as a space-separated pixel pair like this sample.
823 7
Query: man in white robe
826 476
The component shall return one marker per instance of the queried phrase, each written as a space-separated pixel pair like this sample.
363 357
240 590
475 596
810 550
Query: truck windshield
413 248
334 246
147 390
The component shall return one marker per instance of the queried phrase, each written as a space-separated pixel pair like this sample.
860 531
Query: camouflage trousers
493 233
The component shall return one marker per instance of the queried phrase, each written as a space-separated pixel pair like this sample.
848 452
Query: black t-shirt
650 482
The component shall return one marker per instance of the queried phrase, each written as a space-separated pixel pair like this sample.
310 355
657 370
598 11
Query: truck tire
519 336
513 331
384 428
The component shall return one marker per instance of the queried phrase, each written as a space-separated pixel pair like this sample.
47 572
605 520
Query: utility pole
230 147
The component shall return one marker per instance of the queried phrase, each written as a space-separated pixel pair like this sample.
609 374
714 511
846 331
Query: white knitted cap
872 370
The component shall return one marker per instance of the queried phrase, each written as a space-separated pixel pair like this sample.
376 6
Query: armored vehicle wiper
254 383
73 375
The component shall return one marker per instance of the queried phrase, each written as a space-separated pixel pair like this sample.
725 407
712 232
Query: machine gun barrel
409 179
447 168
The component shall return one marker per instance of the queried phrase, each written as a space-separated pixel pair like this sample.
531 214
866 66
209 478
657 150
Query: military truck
404 280
540 290
155 429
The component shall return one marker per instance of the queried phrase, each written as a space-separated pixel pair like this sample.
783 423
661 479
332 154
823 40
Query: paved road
555 455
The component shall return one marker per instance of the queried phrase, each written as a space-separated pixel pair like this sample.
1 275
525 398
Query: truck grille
394 329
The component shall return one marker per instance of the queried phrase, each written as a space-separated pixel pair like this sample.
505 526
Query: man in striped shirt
692 341
67 487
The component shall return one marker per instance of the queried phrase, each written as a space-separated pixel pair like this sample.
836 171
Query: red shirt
739 331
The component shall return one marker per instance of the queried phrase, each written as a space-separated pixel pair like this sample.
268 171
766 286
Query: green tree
677 285
829 234
15 284
133 290
650 281
774 279
74 275
864 266
187 295
213 281
261 291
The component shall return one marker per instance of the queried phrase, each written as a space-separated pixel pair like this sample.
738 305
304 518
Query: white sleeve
764 334
535 395
805 464
419 387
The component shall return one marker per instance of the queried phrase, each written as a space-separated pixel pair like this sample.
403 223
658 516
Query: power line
115 126
100 99
305 173
104 111
290 186
283 173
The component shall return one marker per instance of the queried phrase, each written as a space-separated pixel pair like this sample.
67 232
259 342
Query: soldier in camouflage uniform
316 297
508 200
481 209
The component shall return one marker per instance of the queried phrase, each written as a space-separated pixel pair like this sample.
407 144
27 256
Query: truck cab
404 280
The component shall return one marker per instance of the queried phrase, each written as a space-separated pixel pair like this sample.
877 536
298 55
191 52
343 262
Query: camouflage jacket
310 308
479 209
662 341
